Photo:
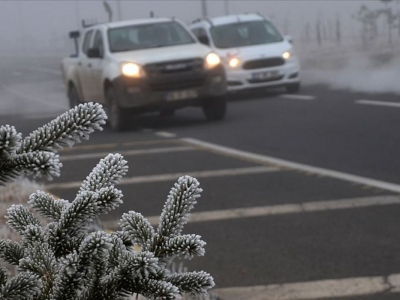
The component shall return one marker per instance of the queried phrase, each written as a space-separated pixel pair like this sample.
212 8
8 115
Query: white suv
255 54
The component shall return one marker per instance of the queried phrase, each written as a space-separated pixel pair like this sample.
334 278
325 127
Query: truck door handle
79 64
89 65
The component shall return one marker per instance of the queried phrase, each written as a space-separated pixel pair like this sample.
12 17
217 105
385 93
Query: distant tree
391 18
368 19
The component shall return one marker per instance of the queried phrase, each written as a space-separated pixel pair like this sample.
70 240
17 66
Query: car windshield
146 36
245 34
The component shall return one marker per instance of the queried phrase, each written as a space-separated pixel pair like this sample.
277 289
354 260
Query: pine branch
66 130
11 252
47 206
156 289
107 173
24 286
68 280
138 228
180 202
10 140
3 276
194 283
38 164
185 246
19 217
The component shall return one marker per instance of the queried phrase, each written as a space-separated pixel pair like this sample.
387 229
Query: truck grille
263 63
175 75
173 84
177 66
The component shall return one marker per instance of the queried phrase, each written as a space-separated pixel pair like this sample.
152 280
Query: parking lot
268 223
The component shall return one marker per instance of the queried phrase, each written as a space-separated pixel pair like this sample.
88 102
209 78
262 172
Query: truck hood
161 54
256 51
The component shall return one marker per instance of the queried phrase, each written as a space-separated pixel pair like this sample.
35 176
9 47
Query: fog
41 28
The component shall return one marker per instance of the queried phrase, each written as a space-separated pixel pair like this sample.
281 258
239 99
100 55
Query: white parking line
292 165
175 176
378 103
273 210
298 97
320 289
165 134
128 153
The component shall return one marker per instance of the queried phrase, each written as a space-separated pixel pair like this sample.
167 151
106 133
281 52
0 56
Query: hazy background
35 26
41 28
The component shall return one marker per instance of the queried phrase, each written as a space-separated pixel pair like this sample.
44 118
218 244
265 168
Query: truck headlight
234 62
132 70
212 60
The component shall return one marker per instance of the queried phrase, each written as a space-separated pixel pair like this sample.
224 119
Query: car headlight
287 54
132 70
211 60
234 62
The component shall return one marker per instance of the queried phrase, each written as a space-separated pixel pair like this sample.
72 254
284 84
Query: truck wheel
215 108
116 115
293 88
73 97
167 112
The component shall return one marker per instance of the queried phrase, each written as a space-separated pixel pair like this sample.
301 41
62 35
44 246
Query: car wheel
293 88
116 115
73 97
215 108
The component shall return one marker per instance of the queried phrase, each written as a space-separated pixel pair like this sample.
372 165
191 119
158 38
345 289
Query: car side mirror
204 40
94 53
289 38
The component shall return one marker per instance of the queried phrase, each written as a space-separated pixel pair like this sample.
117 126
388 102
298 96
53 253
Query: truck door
84 68
97 65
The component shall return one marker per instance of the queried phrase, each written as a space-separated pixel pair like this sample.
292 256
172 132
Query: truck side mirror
74 34
94 53
204 40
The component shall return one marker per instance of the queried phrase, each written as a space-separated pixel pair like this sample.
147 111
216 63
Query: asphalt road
301 193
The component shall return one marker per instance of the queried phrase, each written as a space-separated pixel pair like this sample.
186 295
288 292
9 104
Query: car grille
265 80
263 63
176 66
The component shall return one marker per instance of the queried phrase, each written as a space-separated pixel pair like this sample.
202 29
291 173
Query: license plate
265 75
180 95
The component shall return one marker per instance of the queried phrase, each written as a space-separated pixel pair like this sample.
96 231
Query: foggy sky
38 24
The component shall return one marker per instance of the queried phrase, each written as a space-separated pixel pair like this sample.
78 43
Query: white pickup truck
144 65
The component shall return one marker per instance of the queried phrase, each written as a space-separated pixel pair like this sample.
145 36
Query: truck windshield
245 34
146 36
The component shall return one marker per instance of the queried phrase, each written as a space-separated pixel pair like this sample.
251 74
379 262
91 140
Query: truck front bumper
170 91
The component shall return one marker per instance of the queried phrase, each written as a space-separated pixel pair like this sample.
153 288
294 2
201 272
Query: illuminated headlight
287 54
234 62
132 70
212 60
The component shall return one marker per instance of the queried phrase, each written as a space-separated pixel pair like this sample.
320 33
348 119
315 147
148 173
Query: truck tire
73 97
215 108
116 115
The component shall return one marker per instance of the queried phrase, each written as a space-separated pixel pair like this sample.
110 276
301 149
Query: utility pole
226 7
78 15
119 10
204 8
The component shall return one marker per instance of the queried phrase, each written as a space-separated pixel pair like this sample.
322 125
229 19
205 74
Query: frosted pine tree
65 258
